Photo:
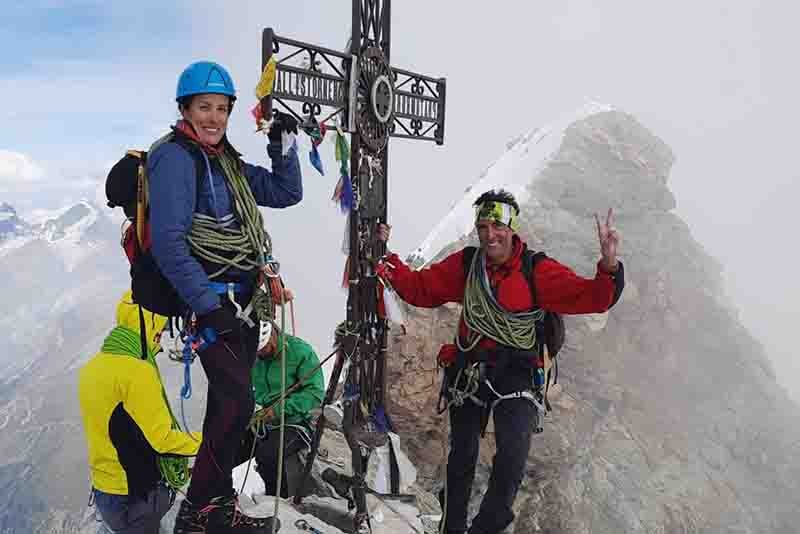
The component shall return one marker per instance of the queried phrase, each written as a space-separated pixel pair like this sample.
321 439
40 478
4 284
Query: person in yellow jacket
136 450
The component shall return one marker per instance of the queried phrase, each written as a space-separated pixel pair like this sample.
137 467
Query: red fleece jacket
558 288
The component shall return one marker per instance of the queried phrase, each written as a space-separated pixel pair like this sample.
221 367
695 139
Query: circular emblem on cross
375 99
382 98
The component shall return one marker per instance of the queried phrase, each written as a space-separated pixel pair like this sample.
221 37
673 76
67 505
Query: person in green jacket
301 360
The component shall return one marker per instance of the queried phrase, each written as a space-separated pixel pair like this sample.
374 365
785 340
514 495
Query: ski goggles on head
498 212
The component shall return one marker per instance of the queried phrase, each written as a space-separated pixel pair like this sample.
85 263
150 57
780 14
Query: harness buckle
242 315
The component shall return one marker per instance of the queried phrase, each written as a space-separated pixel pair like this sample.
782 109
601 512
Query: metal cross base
358 430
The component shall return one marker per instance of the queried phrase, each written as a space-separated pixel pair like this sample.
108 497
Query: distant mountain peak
72 231
71 223
11 225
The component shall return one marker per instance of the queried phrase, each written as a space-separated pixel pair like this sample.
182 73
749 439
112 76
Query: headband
498 212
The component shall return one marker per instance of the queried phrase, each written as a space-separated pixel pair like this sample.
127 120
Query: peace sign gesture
609 240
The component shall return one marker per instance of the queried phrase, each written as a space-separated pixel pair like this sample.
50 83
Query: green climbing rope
245 245
485 317
238 240
123 341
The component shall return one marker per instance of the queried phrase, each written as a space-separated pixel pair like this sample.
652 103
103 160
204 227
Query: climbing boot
190 519
341 484
225 517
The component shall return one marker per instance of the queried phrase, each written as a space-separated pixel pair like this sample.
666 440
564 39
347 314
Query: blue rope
183 417
193 344
188 357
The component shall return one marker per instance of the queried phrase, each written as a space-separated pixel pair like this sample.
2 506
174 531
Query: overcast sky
715 80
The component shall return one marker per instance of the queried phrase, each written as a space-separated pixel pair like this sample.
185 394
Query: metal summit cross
372 101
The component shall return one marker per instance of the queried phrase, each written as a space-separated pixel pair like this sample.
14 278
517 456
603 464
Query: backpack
126 187
550 331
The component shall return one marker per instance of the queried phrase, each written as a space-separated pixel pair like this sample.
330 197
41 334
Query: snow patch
72 252
247 482
524 159
59 229
64 229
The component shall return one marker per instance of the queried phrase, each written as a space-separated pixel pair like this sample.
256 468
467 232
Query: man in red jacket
498 329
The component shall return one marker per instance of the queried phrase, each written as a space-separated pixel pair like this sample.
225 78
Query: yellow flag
267 80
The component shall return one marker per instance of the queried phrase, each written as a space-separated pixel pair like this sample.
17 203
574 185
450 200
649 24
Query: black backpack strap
142 333
619 283
469 254
529 261
394 469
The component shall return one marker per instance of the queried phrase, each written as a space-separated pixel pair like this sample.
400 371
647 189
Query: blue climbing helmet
205 77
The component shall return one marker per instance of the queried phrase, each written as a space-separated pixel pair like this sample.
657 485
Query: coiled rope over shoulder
244 246
485 317
238 240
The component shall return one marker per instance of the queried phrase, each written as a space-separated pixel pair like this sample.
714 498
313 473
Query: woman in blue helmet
209 241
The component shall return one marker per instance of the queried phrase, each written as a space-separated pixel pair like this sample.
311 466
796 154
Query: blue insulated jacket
174 198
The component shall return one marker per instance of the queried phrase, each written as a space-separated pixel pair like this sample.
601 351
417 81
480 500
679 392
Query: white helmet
264 334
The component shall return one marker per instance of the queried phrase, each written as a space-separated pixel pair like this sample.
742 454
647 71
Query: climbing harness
524 394
466 385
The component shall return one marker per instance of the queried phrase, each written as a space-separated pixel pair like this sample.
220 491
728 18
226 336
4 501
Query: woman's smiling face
208 114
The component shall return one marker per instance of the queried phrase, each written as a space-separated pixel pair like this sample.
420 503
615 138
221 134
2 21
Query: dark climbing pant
229 406
514 422
123 515
295 440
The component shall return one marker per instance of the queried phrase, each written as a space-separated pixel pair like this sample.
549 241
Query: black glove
224 323
282 122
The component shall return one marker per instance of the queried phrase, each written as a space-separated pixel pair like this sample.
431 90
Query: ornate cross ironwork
372 101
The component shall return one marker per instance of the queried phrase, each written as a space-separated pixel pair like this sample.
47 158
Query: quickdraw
466 385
